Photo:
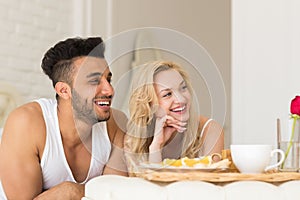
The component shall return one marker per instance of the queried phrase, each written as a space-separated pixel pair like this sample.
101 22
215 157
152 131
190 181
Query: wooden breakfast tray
217 177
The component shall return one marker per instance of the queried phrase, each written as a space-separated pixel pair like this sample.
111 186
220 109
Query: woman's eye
167 94
184 87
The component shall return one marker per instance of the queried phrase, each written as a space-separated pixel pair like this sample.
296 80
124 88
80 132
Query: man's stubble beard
84 110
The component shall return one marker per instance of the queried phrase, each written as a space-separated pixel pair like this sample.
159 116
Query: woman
163 122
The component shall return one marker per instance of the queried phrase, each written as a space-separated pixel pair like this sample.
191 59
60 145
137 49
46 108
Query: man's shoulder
26 123
118 119
34 108
116 126
31 110
27 116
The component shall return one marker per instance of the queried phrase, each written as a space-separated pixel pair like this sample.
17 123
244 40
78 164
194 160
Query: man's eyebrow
94 74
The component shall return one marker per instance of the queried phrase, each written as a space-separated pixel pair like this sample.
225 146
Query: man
51 148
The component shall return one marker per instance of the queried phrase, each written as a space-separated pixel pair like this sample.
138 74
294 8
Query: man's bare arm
116 164
21 174
116 127
63 191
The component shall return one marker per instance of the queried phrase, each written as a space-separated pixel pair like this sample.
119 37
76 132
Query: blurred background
253 45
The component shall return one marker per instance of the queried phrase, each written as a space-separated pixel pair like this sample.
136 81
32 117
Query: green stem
291 140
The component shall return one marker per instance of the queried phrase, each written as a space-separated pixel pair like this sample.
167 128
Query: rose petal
295 105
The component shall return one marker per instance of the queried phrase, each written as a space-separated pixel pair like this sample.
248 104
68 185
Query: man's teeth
103 103
178 109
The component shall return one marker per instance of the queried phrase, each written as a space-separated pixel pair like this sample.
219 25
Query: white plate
159 167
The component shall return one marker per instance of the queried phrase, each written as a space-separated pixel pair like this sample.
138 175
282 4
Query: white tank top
55 168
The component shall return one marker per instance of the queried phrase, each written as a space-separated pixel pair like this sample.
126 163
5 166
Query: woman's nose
179 98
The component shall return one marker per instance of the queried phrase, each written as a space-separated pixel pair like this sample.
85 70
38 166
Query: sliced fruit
172 162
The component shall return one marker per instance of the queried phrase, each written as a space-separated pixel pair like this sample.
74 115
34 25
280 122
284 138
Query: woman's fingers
170 121
180 129
179 125
164 128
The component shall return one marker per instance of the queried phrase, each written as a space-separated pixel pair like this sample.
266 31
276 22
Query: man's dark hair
58 60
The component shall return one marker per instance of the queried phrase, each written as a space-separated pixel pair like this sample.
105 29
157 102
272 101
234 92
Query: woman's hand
165 127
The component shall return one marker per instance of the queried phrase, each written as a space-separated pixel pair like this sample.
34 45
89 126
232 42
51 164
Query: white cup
254 158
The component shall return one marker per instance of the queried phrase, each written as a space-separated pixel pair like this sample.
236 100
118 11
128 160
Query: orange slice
205 160
172 162
196 161
189 162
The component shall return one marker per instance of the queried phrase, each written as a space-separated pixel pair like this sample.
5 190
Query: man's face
92 91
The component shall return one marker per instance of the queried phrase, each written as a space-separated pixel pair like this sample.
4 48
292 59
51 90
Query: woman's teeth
178 109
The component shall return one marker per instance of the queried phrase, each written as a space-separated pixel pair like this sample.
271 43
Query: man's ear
63 90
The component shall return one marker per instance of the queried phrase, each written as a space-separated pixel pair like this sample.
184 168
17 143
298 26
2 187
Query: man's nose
105 88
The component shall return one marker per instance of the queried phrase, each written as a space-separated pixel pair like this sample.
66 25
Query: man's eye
94 81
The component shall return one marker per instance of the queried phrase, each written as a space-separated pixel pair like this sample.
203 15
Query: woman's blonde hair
143 104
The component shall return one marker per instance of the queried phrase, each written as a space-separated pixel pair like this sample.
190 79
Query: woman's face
173 94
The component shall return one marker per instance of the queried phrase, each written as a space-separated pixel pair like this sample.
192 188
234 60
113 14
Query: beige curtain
143 53
9 99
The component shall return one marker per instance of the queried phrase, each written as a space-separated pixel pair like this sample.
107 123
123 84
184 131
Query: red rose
295 106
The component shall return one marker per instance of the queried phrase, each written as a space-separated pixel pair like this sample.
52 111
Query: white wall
28 28
205 22
265 66
265 45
